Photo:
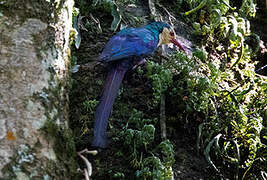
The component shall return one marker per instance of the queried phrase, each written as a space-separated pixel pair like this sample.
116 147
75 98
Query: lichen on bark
35 141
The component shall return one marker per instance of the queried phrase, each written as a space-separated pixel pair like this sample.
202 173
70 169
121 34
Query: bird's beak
175 42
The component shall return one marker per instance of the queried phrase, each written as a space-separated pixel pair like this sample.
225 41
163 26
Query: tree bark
35 141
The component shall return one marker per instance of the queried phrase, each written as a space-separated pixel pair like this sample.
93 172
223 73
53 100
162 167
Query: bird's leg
140 62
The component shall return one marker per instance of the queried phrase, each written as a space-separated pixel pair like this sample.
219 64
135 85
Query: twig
163 103
97 22
162 117
152 8
87 177
80 24
169 14
88 171
263 67
93 152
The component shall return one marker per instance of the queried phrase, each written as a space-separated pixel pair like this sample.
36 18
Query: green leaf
207 151
201 5
200 54
147 133
197 28
115 12
77 32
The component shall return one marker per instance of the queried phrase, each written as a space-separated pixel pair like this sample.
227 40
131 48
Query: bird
123 51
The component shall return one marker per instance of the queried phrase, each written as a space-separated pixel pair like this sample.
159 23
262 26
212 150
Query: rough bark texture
35 142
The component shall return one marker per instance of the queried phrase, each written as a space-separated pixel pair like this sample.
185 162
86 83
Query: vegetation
215 93
232 96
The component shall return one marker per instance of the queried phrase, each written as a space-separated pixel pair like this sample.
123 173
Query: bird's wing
129 42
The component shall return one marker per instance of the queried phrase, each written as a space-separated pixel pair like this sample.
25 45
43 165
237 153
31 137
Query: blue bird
125 49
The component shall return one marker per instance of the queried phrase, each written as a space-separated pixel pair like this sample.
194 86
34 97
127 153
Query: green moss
65 150
57 131
24 163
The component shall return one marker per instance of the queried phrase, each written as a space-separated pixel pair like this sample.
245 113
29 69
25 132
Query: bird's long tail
110 91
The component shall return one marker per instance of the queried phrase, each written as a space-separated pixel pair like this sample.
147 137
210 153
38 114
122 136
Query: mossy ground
135 93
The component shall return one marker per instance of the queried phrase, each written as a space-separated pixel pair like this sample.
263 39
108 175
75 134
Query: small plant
161 79
216 93
229 94
90 106
144 155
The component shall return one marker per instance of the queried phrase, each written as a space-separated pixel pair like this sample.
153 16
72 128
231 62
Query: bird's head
167 35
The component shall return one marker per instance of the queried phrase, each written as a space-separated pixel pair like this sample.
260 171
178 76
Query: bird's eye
172 33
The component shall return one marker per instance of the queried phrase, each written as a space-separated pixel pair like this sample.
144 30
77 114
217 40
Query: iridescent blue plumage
123 49
133 42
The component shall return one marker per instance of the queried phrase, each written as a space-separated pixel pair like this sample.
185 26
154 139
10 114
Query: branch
88 171
162 117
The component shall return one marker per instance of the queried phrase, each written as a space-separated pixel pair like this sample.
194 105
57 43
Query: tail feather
110 91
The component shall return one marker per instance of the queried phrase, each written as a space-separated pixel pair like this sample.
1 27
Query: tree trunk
35 142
